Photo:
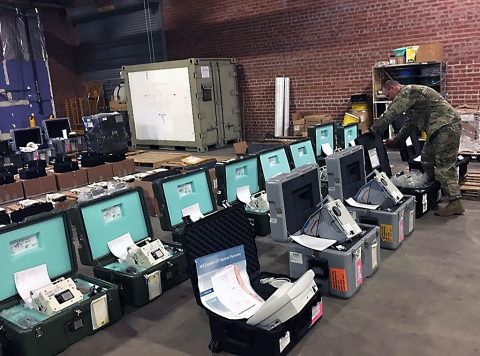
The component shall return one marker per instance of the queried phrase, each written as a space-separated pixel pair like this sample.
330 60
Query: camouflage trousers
439 156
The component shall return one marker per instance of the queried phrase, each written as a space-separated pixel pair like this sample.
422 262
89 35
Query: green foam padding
240 174
101 228
302 153
186 191
274 162
350 133
324 134
51 248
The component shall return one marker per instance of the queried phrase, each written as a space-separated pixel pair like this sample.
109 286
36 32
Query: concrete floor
424 300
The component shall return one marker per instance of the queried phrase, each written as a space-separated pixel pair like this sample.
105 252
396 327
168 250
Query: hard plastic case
237 173
345 135
179 192
95 229
273 162
373 147
301 153
346 176
27 332
427 198
322 134
225 229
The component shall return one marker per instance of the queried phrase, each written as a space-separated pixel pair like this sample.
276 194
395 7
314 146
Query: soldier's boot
454 207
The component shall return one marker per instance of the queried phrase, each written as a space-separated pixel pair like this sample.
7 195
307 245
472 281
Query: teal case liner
350 133
239 174
302 153
274 162
33 245
324 134
109 219
186 191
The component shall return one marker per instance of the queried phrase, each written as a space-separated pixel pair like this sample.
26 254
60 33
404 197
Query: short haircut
389 84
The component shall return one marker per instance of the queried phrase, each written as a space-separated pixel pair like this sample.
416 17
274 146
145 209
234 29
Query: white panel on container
162 104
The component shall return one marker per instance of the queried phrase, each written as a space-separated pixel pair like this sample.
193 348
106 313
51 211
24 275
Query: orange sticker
386 232
338 279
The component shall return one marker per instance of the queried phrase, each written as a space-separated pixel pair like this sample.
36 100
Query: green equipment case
103 220
47 240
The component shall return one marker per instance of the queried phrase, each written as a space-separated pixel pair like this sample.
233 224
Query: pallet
156 159
470 187
179 148
134 153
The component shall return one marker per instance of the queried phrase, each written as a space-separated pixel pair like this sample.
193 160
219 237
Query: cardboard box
150 200
430 52
123 168
99 173
70 180
12 191
364 115
41 185
240 148
316 119
363 127
299 127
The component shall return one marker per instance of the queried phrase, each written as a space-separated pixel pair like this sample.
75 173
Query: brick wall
327 48
62 48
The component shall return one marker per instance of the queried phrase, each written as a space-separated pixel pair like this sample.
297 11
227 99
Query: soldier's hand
390 143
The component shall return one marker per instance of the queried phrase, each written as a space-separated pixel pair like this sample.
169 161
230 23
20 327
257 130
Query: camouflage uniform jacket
425 108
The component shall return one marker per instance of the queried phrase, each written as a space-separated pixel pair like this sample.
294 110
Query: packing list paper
30 280
193 211
243 194
315 243
327 149
119 246
230 292
355 204
208 266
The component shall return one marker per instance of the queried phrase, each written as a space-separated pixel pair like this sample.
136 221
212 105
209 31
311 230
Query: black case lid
60 262
166 210
222 230
78 220
223 184
371 141
407 152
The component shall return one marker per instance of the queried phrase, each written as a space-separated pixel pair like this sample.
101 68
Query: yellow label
386 232
338 279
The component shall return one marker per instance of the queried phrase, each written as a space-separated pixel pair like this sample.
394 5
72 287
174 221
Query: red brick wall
327 48
62 49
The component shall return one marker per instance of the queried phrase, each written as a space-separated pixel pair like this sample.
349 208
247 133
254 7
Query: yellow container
411 53
423 135
360 106
350 119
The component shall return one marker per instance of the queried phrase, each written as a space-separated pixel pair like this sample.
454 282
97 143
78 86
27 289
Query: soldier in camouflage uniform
428 111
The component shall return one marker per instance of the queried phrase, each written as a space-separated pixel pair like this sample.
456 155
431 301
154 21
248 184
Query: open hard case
238 173
345 135
47 239
339 269
229 228
301 152
346 176
272 162
322 134
106 218
376 156
178 193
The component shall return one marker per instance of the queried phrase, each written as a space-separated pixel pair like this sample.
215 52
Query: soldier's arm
405 131
398 106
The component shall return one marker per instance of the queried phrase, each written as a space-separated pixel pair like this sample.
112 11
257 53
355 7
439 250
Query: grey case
305 177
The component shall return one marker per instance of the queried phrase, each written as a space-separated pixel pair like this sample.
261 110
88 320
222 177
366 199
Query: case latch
38 332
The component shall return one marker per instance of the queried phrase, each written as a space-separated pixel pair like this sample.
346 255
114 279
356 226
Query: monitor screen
54 127
23 136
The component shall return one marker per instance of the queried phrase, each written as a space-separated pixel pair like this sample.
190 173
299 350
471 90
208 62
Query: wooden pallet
470 187
156 159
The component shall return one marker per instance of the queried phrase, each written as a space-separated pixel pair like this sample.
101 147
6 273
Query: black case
222 230
159 193
257 146
370 141
133 287
21 214
339 133
261 221
426 198
59 331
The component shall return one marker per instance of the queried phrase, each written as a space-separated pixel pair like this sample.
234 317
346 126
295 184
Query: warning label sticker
386 232
401 230
338 279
